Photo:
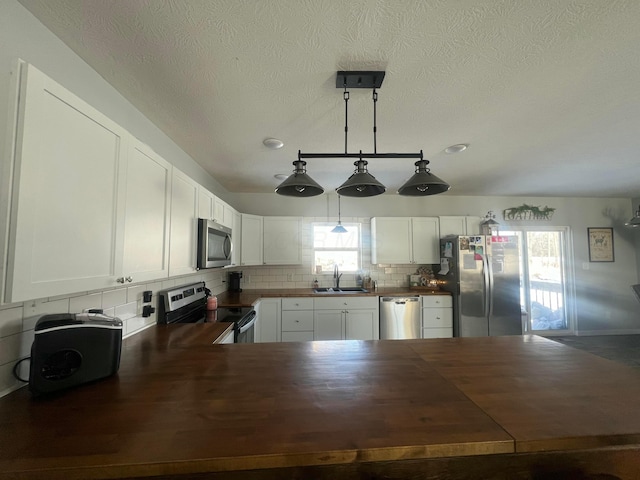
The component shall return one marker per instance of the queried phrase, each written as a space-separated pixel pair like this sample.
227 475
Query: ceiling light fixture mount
361 183
273 143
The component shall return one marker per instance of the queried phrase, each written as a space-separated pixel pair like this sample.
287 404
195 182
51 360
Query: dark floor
621 348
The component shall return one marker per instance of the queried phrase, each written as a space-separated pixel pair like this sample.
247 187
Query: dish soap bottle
315 283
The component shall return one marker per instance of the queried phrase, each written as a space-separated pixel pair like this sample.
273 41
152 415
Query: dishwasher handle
399 300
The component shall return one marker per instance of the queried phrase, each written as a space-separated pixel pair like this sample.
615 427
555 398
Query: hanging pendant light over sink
339 228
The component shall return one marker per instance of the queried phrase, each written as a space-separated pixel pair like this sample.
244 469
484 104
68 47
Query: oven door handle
251 321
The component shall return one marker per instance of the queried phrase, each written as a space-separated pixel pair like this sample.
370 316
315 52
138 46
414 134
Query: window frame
357 249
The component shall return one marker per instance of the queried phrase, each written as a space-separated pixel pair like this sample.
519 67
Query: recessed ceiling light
273 143
460 147
281 176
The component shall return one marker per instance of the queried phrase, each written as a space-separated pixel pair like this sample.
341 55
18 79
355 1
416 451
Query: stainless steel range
188 304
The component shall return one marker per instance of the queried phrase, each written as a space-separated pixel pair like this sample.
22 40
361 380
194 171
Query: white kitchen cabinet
459 225
224 213
405 240
206 201
67 209
236 237
184 224
297 319
147 215
214 208
437 316
251 240
346 318
269 321
282 240
229 337
271 240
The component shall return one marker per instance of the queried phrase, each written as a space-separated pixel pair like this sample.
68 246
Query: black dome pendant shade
361 183
423 182
299 184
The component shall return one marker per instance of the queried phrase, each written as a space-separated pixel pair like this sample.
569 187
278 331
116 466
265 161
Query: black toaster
72 349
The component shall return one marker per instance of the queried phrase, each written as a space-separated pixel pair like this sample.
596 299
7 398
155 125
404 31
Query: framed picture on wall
600 244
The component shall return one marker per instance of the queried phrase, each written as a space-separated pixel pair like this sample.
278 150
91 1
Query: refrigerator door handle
486 285
490 295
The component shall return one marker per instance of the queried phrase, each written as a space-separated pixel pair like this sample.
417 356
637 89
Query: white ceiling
546 92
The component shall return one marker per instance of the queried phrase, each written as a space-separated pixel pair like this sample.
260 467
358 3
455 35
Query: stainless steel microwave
214 244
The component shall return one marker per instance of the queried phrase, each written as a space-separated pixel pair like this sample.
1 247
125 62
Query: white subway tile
10 348
85 302
134 294
113 298
11 321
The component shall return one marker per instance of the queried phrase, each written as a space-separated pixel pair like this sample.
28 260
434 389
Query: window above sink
343 249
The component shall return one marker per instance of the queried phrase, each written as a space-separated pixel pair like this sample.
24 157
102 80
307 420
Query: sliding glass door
546 285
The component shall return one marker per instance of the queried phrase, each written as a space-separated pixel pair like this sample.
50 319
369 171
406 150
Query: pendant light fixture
339 228
361 183
423 182
635 221
299 184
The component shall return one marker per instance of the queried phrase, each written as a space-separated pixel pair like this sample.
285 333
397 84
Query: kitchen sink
341 290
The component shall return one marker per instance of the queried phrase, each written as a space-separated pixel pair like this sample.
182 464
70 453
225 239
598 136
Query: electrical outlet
289 277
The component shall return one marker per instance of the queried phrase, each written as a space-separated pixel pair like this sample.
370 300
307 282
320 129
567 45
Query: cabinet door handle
129 279
120 280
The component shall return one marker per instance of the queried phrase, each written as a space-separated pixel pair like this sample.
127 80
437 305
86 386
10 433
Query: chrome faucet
336 276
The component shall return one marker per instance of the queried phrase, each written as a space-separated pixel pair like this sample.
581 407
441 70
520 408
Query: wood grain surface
182 408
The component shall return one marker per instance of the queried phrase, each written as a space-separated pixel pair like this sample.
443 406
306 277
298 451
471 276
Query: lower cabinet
346 318
437 316
269 321
297 319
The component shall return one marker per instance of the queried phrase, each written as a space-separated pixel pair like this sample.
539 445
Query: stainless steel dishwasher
400 317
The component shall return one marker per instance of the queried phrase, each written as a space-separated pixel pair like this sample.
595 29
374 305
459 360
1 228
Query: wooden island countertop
179 407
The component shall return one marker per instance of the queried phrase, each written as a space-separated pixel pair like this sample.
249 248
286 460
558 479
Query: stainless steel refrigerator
483 275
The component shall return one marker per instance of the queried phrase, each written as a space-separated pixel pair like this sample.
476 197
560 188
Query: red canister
212 303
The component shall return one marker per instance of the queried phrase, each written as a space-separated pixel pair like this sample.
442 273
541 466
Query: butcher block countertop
180 407
247 298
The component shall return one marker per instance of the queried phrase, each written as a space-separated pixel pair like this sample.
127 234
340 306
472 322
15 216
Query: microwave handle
228 246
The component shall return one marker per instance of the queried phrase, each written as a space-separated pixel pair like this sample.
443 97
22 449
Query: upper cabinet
184 224
147 215
251 240
282 240
459 225
236 237
405 240
271 240
213 208
67 230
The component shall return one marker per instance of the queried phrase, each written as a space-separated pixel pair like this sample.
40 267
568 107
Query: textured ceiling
546 92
